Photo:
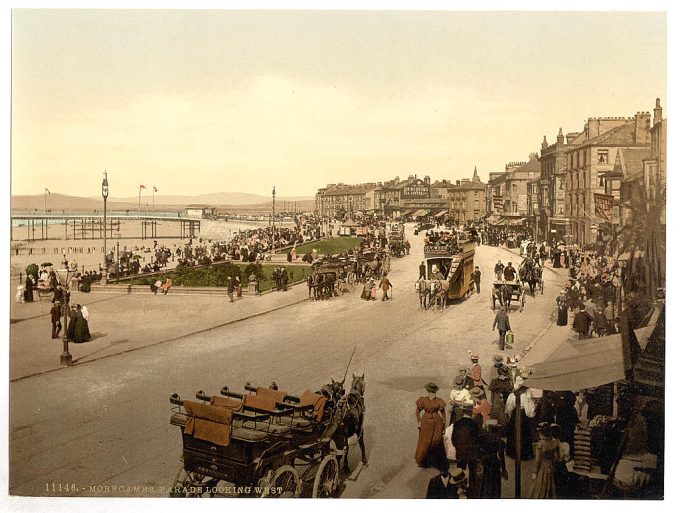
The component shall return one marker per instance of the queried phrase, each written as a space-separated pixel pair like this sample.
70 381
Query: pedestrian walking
71 327
466 441
562 310
547 456
156 286
527 411
166 286
430 414
499 390
582 323
284 279
28 290
503 323
491 468
385 285
446 485
81 328
55 315
498 269
230 289
477 277
238 287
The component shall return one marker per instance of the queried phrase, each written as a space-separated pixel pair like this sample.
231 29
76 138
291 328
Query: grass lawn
216 275
331 246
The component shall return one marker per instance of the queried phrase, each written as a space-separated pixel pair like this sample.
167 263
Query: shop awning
493 220
442 213
421 212
560 362
516 222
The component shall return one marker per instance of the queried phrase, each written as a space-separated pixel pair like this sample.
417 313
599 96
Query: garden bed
331 246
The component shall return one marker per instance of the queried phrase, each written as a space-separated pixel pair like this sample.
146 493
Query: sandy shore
88 252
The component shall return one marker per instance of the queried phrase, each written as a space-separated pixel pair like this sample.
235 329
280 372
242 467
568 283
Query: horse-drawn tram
449 264
266 443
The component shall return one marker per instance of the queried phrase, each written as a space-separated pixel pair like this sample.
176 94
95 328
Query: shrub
32 269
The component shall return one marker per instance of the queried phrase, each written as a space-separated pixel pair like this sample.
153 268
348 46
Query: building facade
467 200
551 218
591 156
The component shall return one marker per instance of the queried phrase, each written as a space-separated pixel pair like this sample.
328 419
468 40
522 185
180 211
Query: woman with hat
499 390
430 414
547 456
491 468
527 411
459 396
476 371
480 406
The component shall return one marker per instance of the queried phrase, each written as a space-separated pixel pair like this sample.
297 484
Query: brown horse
350 420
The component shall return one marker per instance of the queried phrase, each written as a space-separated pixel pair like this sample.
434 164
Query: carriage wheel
521 302
326 480
493 301
542 284
193 484
285 478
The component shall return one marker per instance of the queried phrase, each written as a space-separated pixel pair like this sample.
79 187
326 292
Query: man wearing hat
499 390
527 411
480 407
509 273
502 321
467 443
582 323
447 485
498 269
476 370
498 362
55 315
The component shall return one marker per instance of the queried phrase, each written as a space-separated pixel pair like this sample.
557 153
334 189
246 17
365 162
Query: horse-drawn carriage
331 276
373 263
448 273
266 443
396 240
507 291
531 273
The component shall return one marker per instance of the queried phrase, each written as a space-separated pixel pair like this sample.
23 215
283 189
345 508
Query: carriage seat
319 401
208 423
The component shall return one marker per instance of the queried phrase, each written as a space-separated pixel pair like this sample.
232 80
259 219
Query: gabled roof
629 161
525 170
623 135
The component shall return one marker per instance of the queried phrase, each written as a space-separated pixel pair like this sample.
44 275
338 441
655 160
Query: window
561 184
602 157
514 207
514 188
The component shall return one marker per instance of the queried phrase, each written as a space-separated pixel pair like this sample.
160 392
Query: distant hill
227 201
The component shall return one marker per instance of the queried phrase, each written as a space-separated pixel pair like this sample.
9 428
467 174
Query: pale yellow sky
207 101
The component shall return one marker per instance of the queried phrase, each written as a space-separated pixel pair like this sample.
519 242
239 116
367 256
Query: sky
197 102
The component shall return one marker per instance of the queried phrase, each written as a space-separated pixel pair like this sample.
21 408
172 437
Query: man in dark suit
446 485
582 323
502 321
477 277
467 443
421 270
55 314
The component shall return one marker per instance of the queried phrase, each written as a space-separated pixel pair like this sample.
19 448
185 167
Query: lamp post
64 276
105 195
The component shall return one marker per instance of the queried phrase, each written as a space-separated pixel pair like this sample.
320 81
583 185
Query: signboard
603 206
498 203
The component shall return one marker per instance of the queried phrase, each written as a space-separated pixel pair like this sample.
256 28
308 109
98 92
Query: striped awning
442 213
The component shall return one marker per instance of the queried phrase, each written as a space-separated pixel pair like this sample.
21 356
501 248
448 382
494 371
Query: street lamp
105 195
64 277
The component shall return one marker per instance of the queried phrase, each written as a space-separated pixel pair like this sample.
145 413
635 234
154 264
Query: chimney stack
642 123
560 137
657 112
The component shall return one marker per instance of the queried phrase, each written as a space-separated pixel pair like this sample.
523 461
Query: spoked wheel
192 484
521 302
493 301
285 483
542 284
326 480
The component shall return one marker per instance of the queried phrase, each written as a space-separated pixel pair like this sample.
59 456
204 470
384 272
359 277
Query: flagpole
139 201
45 193
153 198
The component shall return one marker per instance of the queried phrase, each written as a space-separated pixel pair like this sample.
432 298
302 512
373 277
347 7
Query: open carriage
504 292
331 276
532 274
259 443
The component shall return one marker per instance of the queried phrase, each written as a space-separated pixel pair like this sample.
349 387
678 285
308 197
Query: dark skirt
527 442
562 315
488 481
81 331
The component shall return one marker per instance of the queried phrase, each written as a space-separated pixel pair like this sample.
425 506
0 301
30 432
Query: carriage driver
437 274
509 273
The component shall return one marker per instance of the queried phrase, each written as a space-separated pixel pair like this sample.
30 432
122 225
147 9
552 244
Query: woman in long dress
28 290
430 414
499 390
491 468
547 456
527 411
562 311
81 330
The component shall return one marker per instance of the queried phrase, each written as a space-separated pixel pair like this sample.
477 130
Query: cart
505 292
260 443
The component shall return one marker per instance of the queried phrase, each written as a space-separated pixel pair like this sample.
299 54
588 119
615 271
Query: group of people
476 431
78 328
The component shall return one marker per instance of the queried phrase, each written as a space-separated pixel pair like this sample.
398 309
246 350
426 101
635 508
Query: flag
142 186
154 189
48 191
603 206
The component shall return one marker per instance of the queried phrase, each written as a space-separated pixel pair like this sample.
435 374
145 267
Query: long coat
466 439
430 414
502 321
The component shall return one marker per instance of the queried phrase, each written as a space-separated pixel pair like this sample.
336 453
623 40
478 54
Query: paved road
105 424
